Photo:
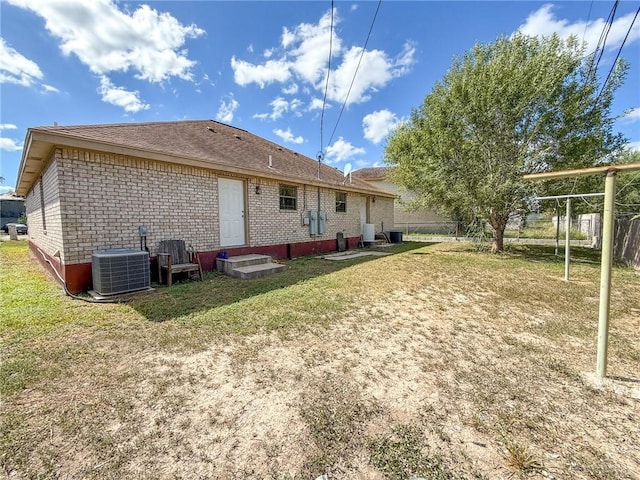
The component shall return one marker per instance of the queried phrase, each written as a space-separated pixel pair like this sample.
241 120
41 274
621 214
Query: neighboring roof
203 143
372 173
10 196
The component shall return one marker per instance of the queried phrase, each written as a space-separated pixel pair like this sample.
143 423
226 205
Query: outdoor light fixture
258 190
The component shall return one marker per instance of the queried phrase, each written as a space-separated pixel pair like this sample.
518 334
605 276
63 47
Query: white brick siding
107 197
49 240
423 217
102 199
268 225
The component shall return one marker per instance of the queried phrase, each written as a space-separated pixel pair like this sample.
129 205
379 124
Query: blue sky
261 66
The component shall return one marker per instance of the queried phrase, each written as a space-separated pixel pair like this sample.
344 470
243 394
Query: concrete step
227 265
375 243
257 270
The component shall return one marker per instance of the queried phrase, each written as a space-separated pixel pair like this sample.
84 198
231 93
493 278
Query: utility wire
364 48
593 69
631 182
326 85
613 66
587 23
606 32
592 206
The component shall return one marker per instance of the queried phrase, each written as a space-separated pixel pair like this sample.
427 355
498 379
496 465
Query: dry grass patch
438 362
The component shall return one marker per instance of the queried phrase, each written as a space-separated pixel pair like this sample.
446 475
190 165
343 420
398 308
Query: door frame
245 215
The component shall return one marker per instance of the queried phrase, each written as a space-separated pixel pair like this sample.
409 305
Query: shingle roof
372 172
210 143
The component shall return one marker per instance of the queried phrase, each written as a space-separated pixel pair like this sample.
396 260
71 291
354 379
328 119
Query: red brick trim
77 276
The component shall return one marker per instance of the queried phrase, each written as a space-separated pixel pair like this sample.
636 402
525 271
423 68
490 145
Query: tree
628 186
518 105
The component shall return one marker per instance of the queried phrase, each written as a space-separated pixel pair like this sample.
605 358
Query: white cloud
310 49
279 106
6 189
377 125
404 60
290 89
342 150
634 146
632 115
107 39
296 105
16 68
267 53
49 88
245 73
7 126
315 104
228 106
287 37
303 57
120 97
543 22
375 72
361 163
287 136
9 145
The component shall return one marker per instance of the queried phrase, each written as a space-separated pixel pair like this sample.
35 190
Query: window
341 201
44 220
288 197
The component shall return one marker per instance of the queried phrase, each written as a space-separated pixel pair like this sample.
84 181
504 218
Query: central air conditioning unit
120 271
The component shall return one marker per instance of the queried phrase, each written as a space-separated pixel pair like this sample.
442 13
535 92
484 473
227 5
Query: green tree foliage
518 105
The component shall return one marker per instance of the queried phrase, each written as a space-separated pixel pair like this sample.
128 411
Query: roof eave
46 141
22 185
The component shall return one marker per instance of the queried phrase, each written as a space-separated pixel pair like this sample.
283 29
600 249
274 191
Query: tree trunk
498 221
498 240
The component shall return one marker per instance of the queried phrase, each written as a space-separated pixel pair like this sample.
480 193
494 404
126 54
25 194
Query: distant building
423 220
11 208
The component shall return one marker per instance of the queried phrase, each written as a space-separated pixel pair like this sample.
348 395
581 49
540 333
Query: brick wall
107 197
268 225
103 199
425 218
381 214
43 201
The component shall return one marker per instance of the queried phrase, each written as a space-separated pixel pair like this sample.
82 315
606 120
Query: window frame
283 198
340 202
42 206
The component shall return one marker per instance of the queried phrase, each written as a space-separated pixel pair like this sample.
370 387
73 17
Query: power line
617 56
587 23
603 40
364 48
326 85
631 182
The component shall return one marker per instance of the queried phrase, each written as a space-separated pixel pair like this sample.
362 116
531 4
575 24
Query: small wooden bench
173 257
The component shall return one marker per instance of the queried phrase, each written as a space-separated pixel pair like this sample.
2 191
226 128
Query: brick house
423 220
219 188
11 208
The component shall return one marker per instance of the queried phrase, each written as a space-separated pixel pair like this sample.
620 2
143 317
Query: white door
231 207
